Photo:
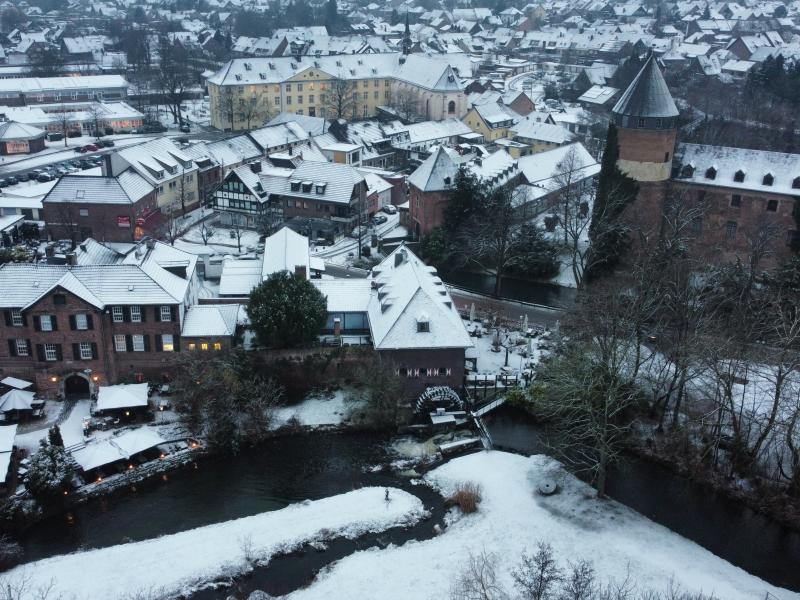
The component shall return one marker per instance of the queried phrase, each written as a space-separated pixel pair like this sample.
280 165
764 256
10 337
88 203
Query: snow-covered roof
274 136
406 294
438 72
217 320
16 400
124 395
11 130
285 250
97 454
436 173
126 188
544 132
33 85
541 169
345 295
13 382
338 181
7 435
755 166
239 276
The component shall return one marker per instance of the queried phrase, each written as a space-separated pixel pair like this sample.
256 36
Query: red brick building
112 209
739 197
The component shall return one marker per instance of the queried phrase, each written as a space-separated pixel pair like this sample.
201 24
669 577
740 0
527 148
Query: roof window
769 179
738 176
711 173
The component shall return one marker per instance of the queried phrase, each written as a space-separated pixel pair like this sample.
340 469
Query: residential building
310 86
111 209
106 317
162 164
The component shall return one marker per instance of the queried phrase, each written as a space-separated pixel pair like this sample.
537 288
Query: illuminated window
192 346
204 346
167 343
217 346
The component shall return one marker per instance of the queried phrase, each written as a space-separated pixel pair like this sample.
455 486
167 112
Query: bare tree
171 227
95 114
255 109
537 575
478 579
340 100
228 98
63 117
206 232
173 77
406 104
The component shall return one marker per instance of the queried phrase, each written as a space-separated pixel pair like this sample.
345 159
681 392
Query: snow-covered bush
49 472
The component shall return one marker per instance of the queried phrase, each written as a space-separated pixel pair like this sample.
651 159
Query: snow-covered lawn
512 518
177 562
319 409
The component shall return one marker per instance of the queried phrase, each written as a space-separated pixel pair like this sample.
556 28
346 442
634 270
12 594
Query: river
522 290
287 470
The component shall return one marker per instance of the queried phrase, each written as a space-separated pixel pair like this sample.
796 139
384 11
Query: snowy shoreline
184 561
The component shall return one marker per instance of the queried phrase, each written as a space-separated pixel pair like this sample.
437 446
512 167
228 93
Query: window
167 343
138 343
119 343
81 322
277 101
299 87
366 95
84 212
50 352
641 122
386 95
796 183
288 99
204 346
166 314
697 225
217 346
738 176
736 200
288 87
22 347
300 99
59 299
311 98
136 314
86 351
666 156
792 238
711 173
116 314
451 107
16 318
769 179
46 322
730 230
423 326
772 205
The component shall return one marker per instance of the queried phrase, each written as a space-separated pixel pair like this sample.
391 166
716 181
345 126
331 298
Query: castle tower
646 118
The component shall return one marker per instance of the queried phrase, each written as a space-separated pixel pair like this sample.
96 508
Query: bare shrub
466 497
537 575
478 579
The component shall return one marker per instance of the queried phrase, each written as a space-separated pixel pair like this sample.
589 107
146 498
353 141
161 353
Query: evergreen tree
49 472
331 16
615 191
286 310
54 436
394 19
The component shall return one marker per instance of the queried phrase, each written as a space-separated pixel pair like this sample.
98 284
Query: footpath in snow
178 562
512 518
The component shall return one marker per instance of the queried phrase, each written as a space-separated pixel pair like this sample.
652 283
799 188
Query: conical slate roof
647 95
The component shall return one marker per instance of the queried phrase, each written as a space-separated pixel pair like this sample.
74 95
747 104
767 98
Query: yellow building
491 120
247 92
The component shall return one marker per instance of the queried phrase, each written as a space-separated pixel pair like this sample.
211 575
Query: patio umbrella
472 313
525 325
16 400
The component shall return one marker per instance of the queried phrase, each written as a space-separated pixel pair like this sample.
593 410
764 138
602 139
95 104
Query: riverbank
513 517
181 562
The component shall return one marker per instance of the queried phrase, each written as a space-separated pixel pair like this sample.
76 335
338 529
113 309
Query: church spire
407 38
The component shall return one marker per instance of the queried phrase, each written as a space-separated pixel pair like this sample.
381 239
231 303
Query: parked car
379 219
85 164
24 177
390 209
185 128
107 143
13 180
44 177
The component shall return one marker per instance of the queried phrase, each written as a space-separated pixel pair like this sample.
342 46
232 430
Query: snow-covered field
177 562
512 518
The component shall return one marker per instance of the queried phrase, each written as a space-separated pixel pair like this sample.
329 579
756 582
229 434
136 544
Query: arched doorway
77 386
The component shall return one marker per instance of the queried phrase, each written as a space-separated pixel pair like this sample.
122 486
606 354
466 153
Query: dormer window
295 185
769 179
711 173
687 171
796 183
320 188
423 326
738 176
306 187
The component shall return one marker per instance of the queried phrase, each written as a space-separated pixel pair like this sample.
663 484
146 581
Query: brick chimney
300 271
72 259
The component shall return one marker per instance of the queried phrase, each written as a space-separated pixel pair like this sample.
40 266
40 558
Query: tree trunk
600 479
